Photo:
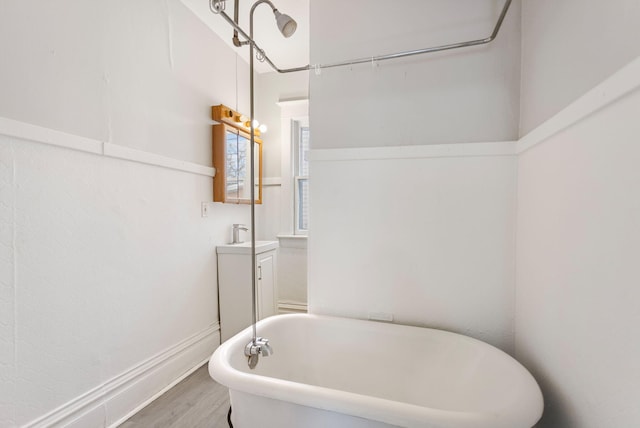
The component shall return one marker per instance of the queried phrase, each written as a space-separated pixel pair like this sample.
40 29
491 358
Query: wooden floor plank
196 402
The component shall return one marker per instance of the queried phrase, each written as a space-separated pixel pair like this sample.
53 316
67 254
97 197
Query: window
296 137
301 139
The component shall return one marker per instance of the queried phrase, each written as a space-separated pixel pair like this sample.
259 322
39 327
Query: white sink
245 247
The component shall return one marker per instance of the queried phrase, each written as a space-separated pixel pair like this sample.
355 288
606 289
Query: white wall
292 274
271 89
110 265
568 48
108 274
374 243
292 258
469 95
425 238
141 74
275 216
7 289
578 209
577 272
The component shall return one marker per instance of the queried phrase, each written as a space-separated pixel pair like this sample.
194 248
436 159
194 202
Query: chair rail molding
42 135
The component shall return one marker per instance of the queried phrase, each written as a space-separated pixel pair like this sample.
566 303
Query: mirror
231 159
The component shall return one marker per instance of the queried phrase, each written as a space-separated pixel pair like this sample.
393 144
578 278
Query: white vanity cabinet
234 284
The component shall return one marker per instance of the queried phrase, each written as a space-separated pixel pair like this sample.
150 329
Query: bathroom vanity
234 284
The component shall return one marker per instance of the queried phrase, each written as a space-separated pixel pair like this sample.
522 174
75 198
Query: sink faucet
236 233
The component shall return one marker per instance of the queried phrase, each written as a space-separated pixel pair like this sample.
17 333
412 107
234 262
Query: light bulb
262 128
256 124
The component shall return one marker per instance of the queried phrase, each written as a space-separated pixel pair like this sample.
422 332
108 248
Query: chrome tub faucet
255 348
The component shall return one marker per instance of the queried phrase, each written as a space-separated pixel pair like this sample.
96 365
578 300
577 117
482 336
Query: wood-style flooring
196 402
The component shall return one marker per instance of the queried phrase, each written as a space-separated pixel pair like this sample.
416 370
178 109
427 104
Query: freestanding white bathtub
329 372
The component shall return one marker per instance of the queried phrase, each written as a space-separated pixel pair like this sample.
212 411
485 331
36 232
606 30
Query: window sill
293 241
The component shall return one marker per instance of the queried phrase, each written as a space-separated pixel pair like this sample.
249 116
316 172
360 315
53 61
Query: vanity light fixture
222 113
256 124
261 127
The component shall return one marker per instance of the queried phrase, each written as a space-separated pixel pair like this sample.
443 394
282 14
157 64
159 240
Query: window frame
297 125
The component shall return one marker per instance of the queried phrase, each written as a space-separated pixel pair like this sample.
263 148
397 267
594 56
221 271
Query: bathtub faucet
254 349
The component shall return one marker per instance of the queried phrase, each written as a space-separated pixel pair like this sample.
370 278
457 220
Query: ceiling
285 53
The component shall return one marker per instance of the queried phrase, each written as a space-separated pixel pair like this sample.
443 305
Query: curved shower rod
263 56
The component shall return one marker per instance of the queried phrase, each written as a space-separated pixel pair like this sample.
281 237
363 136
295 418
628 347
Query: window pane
244 161
232 166
303 203
303 150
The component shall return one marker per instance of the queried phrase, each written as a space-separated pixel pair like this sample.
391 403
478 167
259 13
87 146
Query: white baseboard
113 402
289 307
159 393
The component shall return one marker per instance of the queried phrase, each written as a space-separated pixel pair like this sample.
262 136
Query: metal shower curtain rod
371 59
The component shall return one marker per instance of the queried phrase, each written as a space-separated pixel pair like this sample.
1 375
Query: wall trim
271 181
291 307
161 392
39 134
504 148
293 241
117 399
117 151
294 106
623 82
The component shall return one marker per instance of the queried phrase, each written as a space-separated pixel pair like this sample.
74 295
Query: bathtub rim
351 403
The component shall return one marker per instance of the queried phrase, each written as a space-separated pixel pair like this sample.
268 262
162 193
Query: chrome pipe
236 17
254 305
253 8
498 25
397 55
253 358
374 59
254 348
404 54
249 41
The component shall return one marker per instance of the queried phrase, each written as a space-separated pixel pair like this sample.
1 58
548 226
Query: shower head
286 24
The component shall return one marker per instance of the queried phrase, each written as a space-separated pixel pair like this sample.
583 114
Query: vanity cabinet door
266 284
234 289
